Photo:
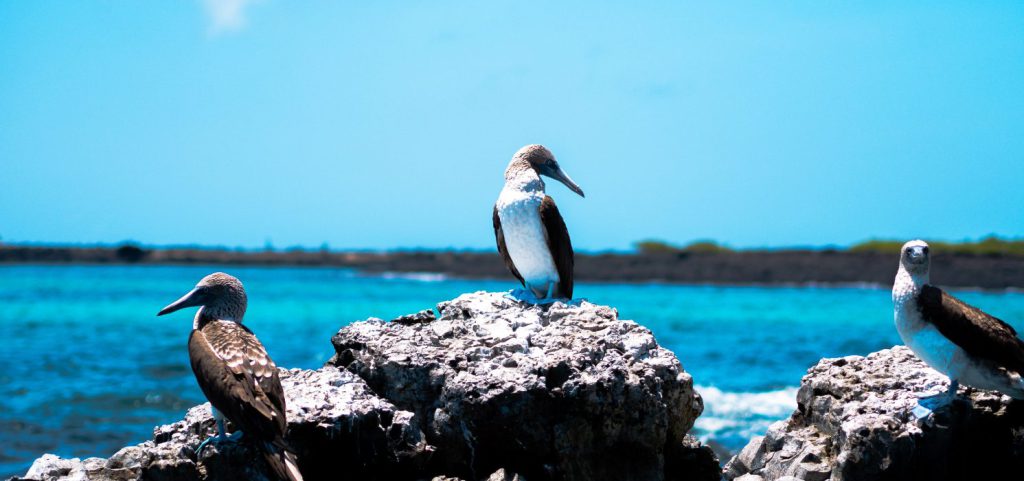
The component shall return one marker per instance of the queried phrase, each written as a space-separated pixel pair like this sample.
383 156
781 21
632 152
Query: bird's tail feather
282 462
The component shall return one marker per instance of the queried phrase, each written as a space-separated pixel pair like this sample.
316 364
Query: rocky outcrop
854 422
334 421
490 389
557 392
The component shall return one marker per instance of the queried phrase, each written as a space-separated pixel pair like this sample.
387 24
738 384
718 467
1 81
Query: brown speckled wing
239 378
979 334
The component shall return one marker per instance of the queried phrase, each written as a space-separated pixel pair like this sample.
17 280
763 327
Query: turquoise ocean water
88 368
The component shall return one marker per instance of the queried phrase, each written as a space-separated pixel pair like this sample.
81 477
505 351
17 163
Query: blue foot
522 295
927 405
218 439
212 439
527 296
921 412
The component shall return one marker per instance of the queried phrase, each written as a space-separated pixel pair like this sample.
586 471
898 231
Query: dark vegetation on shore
988 264
987 246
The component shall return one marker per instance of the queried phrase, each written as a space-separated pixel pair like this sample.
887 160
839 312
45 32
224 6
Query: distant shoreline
772 268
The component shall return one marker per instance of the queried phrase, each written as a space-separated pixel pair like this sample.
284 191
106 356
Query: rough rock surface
334 421
854 422
546 392
492 389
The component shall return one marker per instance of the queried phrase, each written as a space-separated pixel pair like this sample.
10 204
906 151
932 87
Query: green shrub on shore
990 245
652 246
706 247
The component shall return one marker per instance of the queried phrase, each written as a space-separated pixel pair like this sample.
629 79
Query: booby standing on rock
530 233
234 371
951 336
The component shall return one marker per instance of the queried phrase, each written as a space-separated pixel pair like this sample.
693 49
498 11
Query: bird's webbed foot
530 297
927 405
218 439
522 295
212 439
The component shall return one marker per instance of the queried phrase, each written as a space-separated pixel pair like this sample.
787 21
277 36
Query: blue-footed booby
530 233
954 338
234 371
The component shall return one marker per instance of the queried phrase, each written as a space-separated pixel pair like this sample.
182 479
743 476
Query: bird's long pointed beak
193 298
558 174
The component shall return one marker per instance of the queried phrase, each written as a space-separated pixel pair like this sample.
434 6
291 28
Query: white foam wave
743 414
414 276
744 404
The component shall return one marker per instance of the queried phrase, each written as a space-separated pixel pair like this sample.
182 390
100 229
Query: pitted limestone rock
565 391
334 421
854 422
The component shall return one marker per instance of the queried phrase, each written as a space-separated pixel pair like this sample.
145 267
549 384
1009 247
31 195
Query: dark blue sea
86 367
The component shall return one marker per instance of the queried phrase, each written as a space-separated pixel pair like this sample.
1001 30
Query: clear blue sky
388 124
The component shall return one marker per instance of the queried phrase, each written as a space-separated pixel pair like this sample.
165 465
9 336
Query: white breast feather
519 212
921 337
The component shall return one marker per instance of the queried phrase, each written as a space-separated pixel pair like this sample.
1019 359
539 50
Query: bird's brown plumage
239 378
977 333
557 236
560 245
242 382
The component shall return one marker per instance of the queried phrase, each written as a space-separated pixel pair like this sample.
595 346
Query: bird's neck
908 285
521 176
206 315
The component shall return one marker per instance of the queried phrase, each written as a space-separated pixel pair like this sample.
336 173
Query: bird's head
915 257
220 295
542 161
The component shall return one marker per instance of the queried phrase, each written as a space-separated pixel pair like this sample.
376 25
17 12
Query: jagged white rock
333 418
854 422
561 391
